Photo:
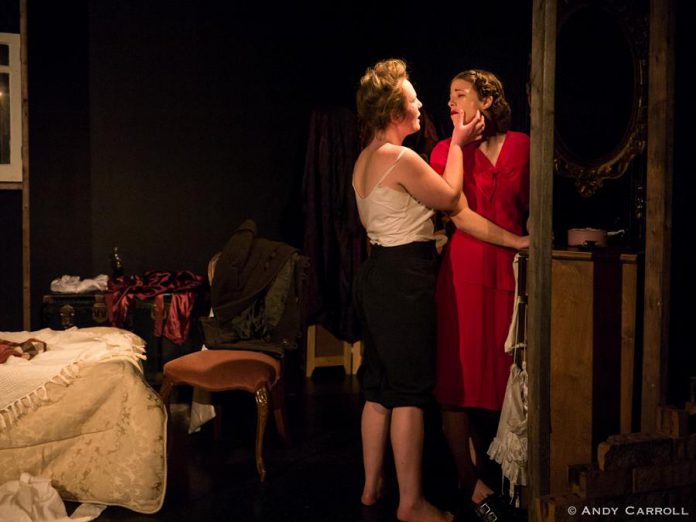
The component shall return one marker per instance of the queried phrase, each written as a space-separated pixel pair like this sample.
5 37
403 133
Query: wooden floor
319 478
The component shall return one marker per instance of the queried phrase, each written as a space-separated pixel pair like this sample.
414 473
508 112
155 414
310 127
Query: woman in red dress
475 287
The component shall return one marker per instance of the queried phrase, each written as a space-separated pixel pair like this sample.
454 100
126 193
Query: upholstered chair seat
253 365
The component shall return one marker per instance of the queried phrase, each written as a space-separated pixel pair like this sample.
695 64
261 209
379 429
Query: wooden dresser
593 339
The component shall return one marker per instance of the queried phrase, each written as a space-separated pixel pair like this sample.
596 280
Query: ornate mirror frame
589 175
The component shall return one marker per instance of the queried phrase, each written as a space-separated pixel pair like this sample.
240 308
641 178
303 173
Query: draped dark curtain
334 238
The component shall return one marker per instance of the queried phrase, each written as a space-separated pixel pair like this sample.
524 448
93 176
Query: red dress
476 284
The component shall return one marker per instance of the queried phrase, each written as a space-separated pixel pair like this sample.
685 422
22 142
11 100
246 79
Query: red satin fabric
123 289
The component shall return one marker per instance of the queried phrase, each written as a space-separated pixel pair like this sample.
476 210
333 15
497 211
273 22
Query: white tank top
392 217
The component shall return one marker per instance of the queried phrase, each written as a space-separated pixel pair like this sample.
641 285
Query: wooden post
539 276
26 246
658 240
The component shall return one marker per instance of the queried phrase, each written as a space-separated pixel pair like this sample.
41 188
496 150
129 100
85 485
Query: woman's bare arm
481 228
426 185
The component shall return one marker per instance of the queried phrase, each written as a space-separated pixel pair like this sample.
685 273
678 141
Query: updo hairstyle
380 97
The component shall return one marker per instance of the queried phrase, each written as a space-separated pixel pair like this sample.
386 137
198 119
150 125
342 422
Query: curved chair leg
278 404
262 409
166 391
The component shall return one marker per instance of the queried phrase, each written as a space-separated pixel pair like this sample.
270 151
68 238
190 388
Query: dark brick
684 448
679 449
555 509
589 482
673 422
691 447
634 450
655 478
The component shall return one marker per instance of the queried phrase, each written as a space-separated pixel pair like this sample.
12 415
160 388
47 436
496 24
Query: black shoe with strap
490 510
496 509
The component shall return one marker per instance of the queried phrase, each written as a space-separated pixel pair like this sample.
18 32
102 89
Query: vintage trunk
63 311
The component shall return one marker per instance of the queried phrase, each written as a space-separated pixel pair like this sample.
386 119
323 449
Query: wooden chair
224 370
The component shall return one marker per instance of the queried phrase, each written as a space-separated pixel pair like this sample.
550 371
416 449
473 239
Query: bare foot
423 511
372 493
481 491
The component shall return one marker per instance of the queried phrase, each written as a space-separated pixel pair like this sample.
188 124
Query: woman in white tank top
396 192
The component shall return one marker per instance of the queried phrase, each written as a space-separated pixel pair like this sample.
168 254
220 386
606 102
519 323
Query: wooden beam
10 185
658 240
539 275
26 236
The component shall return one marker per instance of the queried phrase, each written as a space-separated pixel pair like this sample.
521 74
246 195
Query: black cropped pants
394 296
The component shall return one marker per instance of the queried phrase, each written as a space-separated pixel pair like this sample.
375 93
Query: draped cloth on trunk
182 285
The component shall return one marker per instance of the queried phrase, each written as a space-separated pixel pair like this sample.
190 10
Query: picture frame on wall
10 109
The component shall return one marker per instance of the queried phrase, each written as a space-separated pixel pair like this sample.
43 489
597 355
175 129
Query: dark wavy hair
487 84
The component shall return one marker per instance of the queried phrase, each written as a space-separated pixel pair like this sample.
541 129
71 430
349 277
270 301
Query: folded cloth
26 349
33 499
23 382
69 284
202 409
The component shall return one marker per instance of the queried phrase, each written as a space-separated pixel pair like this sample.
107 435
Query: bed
95 427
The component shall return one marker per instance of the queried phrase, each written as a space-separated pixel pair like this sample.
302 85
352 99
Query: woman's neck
389 135
493 141
491 147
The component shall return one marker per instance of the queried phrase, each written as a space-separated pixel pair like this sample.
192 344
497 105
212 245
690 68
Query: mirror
601 81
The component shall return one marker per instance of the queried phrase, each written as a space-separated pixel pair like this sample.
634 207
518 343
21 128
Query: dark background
159 126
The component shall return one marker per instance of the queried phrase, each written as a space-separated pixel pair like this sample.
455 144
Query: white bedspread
66 353
88 421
